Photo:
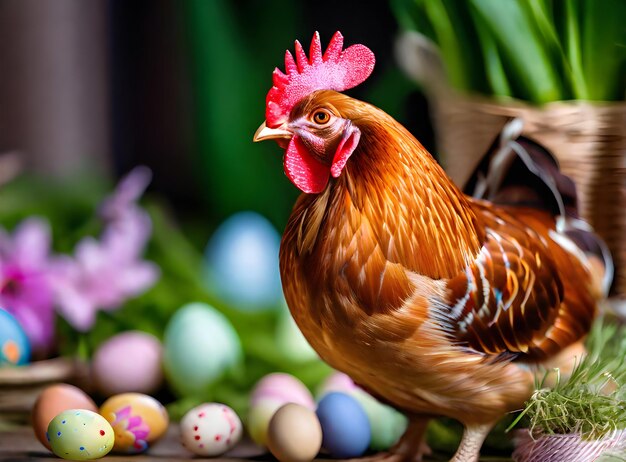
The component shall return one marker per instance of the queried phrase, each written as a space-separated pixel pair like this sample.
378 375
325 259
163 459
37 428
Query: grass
592 401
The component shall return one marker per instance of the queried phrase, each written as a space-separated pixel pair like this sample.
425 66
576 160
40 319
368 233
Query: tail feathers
518 171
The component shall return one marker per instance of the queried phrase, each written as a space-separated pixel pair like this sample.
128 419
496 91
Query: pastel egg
200 346
345 426
294 434
54 400
138 420
79 434
14 344
284 388
128 362
387 425
259 417
242 262
291 341
210 429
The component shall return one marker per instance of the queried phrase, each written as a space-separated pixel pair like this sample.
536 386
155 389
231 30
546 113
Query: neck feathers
393 192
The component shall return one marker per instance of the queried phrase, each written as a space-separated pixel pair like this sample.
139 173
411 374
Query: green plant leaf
524 53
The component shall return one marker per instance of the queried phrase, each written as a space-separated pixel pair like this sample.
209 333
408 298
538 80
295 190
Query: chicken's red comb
336 70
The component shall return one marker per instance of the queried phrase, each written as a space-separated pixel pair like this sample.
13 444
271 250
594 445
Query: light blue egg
345 426
199 346
241 262
14 345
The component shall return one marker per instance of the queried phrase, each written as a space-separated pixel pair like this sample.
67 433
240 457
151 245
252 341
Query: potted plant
559 65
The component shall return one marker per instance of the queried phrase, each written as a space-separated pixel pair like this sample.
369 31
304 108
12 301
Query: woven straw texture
588 140
566 448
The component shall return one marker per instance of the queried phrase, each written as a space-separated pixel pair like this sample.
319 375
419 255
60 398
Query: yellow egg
294 434
138 420
79 434
259 418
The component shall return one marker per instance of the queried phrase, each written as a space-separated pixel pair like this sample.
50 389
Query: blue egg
345 426
14 345
241 262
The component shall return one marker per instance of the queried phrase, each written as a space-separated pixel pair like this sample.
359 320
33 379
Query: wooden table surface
20 445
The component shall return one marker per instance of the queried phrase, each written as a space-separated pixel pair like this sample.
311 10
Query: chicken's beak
266 133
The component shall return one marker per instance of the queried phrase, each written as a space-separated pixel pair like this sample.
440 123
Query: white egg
242 262
210 429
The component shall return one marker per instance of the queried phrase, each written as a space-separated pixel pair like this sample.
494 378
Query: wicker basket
20 386
571 447
588 140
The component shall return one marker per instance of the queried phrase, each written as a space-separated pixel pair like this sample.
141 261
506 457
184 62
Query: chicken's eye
321 117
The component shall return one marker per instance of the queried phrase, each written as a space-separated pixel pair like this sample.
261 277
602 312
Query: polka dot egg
78 434
210 429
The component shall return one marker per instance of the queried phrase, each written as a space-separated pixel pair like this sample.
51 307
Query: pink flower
104 273
25 284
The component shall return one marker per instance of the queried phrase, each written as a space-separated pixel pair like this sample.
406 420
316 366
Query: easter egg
199 346
345 426
128 362
284 388
52 401
138 420
259 417
242 262
387 425
14 345
291 341
294 434
210 429
268 395
79 434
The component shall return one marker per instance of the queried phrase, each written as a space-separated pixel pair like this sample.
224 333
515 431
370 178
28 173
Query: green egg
386 423
78 434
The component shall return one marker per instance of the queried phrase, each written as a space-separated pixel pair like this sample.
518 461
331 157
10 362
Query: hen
436 302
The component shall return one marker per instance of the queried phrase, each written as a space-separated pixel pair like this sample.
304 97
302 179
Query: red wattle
345 149
306 172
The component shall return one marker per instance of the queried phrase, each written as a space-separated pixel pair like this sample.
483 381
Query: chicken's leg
473 437
410 448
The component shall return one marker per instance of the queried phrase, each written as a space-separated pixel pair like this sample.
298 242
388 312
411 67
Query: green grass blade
604 48
532 73
494 69
446 37
573 46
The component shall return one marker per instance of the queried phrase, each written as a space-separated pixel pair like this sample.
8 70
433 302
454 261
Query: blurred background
89 90
177 86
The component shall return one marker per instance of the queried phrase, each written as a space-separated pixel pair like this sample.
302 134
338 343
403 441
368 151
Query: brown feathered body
435 302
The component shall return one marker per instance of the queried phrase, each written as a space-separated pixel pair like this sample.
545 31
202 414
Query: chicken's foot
410 448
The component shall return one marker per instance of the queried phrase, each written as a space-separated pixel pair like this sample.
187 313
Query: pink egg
283 388
338 381
128 362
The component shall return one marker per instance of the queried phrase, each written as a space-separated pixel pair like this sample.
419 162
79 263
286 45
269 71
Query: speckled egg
14 344
79 434
294 434
210 429
54 400
128 362
242 262
387 425
138 420
200 346
345 426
